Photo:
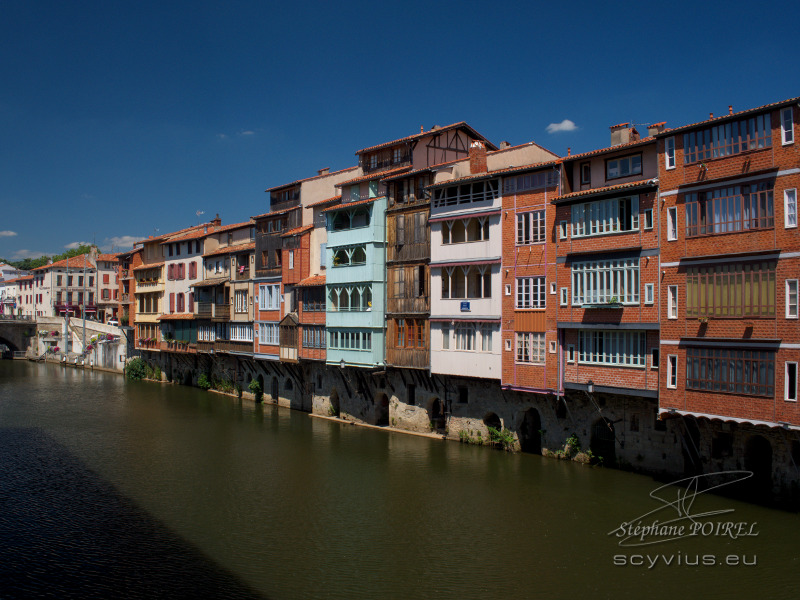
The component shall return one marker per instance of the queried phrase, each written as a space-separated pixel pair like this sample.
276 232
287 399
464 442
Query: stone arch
436 414
492 420
336 409
382 410
11 346
758 459
530 435
187 377
603 442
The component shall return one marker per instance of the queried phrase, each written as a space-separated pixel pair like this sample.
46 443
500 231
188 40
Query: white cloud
247 132
565 125
7 233
119 243
222 136
74 245
20 254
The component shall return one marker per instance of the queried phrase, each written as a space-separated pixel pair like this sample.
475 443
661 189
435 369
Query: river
125 489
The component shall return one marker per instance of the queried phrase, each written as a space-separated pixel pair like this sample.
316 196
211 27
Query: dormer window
373 161
397 155
624 167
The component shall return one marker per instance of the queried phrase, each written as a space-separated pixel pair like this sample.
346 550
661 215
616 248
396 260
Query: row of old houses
644 294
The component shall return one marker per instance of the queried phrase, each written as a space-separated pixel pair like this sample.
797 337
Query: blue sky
120 118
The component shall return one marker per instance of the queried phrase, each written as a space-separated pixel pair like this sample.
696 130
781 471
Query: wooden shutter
182 271
191 301
400 237
172 303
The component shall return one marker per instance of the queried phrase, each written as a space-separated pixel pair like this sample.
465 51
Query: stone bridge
16 333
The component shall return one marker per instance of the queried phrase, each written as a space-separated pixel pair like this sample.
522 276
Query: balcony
242 275
148 344
215 312
175 346
224 346
408 305
386 163
408 357
408 251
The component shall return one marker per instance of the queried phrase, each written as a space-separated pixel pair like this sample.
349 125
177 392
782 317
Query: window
445 337
790 382
731 290
564 296
648 218
605 216
654 359
240 301
606 281
530 227
734 208
733 371
669 153
269 297
672 301
465 193
612 347
586 174
649 293
171 252
313 336
291 259
474 281
672 371
791 298
350 340
458 231
465 336
240 332
727 139
672 223
314 299
571 353
552 347
790 208
350 298
486 337
531 292
530 181
105 278
346 257
552 287
268 334
410 333
624 167
530 347
787 126
508 289
562 230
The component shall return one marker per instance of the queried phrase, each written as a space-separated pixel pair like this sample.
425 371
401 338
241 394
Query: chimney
730 109
422 128
477 157
324 171
656 128
623 133
216 222
504 145
569 150
710 115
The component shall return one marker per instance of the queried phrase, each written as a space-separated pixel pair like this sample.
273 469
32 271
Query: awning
672 412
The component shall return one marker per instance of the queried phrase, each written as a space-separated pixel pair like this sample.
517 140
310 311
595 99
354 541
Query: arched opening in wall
336 410
382 410
690 444
288 386
436 414
530 434
275 390
10 348
603 442
187 377
493 421
758 459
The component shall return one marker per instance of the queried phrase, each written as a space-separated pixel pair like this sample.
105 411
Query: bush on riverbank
136 369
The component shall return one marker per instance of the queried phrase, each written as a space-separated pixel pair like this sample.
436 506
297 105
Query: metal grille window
606 281
733 371
530 347
605 216
530 227
731 290
608 347
727 139
531 292
735 208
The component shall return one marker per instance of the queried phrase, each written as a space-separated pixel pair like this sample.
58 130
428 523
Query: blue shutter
323 249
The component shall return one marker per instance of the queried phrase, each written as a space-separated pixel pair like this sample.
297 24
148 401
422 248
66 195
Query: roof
312 281
730 116
129 252
373 175
459 125
108 257
74 262
169 235
490 174
324 202
641 142
412 172
210 282
277 212
298 181
297 230
23 278
231 249
605 190
193 235
149 266
349 204
178 317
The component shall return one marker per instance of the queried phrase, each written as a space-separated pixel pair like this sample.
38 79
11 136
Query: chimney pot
324 171
422 128
730 109
569 150
711 115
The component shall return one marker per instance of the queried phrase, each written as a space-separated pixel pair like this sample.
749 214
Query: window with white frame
672 223
790 382
531 292
486 336
601 217
624 167
530 347
790 208
465 336
206 333
564 296
313 336
571 353
269 297
787 126
552 287
241 332
654 359
612 347
791 298
445 336
669 153
268 334
648 218
469 337
467 281
672 301
562 230
530 227
240 301
356 297
606 281
649 293
291 259
459 231
672 371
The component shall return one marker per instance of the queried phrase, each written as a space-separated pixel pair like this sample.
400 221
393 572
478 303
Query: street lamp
342 364
590 386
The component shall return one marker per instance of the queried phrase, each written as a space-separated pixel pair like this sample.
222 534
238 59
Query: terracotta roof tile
210 282
277 212
72 262
164 236
641 142
459 125
293 183
314 280
728 116
401 175
149 266
602 190
108 257
349 204
324 202
231 249
498 172
176 317
297 230
372 176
